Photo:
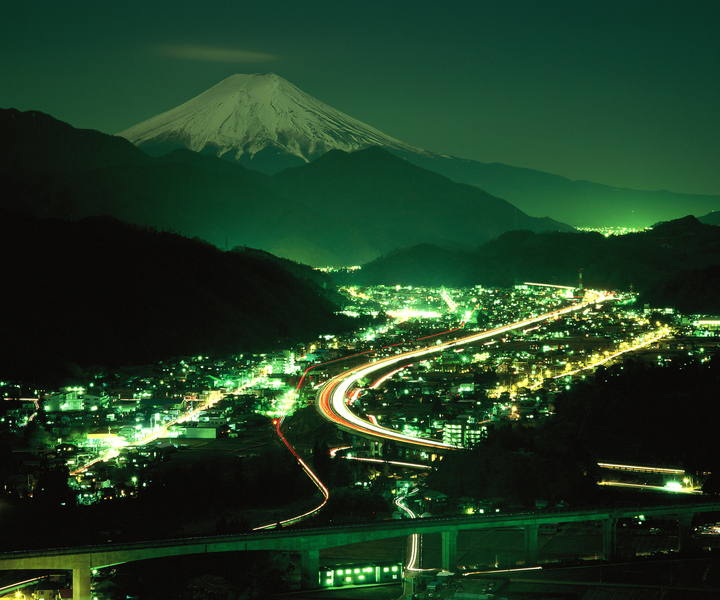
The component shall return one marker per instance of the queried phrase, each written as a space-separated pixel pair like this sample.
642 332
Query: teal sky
622 93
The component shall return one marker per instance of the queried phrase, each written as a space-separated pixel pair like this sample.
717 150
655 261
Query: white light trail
331 399
502 571
659 488
386 377
641 468
415 538
390 462
562 287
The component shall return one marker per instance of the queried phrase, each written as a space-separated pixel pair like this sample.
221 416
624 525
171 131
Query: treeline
634 413
515 465
99 292
251 575
675 264
203 496
645 413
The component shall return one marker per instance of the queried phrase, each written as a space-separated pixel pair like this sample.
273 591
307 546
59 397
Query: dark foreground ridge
99 292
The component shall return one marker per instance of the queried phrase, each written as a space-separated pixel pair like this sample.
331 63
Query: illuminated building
338 575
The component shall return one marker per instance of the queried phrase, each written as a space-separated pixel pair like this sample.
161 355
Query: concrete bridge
308 542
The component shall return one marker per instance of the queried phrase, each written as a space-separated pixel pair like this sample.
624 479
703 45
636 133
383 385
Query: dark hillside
677 263
33 142
578 203
372 187
340 210
102 292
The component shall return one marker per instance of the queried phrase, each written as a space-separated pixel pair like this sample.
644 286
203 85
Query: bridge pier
449 549
685 532
81 581
309 569
531 545
609 539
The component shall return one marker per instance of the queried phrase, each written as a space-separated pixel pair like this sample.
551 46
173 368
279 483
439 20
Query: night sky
625 93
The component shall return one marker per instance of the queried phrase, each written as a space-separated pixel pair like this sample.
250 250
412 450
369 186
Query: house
434 499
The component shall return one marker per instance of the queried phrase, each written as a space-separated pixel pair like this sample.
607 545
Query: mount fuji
262 121
267 124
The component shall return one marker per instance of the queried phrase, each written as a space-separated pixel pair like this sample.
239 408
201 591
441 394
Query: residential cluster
608 231
129 418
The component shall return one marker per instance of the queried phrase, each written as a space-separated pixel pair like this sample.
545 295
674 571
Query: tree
209 587
711 486
389 450
482 318
52 489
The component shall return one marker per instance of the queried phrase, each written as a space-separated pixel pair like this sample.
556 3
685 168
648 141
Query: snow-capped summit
246 114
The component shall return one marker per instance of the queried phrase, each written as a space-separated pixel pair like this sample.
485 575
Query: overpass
308 542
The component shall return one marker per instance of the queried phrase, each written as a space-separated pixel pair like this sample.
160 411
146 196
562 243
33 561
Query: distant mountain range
675 264
341 209
267 124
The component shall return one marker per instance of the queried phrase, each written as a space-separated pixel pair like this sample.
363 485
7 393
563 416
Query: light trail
641 468
562 287
334 451
659 488
328 362
413 563
315 479
656 338
663 333
414 540
162 432
331 398
502 571
21 584
384 378
35 401
389 462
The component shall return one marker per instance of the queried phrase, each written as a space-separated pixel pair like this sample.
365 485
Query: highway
333 396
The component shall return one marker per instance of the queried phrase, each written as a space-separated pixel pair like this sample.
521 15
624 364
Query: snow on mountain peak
244 114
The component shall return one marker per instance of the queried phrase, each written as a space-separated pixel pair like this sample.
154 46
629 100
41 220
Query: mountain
101 292
262 121
268 124
578 203
62 172
374 188
675 264
341 209
34 142
712 218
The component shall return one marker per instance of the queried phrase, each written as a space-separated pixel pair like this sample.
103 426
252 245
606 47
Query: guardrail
549 515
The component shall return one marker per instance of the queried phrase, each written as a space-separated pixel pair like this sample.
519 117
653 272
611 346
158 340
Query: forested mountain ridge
102 292
596 421
343 209
677 263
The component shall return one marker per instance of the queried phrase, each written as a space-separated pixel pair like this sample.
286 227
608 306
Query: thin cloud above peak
214 54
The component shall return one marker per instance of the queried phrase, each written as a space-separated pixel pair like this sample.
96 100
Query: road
332 398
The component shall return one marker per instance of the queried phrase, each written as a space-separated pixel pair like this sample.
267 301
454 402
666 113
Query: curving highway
333 397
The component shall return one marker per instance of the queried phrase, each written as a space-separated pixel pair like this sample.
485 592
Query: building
359 574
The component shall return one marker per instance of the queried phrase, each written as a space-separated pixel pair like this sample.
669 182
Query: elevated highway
308 542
